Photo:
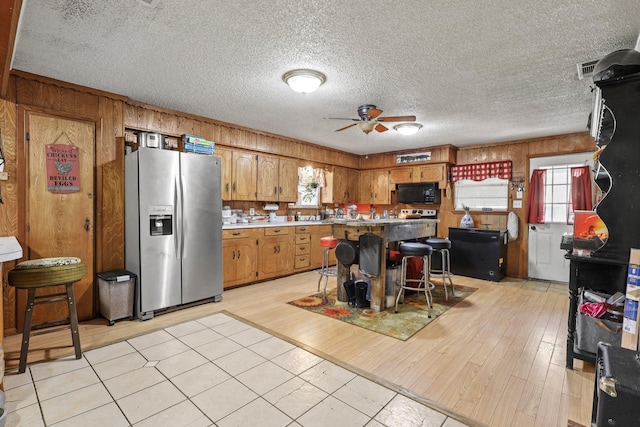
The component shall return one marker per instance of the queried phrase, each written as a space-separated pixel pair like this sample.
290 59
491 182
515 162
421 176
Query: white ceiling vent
147 2
585 69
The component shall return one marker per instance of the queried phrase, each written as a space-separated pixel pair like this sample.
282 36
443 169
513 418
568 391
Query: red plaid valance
480 171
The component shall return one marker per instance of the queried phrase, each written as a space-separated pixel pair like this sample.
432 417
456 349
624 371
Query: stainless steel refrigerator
173 228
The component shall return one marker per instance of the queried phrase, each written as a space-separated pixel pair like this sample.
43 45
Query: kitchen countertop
383 222
347 222
264 224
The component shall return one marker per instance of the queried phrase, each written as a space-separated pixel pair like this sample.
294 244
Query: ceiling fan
370 119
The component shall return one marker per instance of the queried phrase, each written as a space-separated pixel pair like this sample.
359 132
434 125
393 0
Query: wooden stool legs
32 300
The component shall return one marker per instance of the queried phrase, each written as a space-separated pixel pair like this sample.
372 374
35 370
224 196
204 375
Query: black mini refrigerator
478 253
616 400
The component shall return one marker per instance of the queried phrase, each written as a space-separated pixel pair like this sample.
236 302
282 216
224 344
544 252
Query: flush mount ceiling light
304 81
408 128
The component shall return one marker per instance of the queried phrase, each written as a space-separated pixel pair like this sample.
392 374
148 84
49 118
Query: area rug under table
411 317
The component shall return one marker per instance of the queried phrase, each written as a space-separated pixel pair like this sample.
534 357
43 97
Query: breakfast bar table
388 230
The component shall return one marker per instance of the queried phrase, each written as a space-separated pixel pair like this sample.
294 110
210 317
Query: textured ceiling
472 72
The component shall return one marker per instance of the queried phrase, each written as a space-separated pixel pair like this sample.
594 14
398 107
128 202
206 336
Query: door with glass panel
545 257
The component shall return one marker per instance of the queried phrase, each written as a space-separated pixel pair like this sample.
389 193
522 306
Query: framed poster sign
63 169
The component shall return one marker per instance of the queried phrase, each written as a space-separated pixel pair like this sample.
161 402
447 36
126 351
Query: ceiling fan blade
381 128
374 112
346 127
340 118
398 119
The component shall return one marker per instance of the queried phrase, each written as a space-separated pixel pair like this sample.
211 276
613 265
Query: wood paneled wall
439 154
115 113
519 152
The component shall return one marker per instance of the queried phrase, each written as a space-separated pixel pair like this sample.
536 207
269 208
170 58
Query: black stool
442 245
410 250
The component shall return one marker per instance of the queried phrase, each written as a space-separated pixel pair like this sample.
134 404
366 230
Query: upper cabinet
374 187
436 172
341 186
288 180
277 179
244 171
226 157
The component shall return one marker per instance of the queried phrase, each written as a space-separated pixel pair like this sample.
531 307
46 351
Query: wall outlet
517 204
252 211
4 176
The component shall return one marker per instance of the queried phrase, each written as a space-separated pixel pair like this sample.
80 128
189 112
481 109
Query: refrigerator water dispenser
160 225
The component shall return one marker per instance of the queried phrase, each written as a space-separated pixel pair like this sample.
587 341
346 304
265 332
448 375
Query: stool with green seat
37 274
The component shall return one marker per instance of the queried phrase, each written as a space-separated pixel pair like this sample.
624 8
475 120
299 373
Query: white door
545 258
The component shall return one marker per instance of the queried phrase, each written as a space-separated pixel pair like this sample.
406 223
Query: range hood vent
585 69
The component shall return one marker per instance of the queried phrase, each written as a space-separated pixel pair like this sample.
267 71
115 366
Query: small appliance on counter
271 208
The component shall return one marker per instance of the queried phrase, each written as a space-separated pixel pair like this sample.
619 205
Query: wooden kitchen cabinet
403 175
434 173
302 240
288 180
341 186
425 173
226 157
275 253
277 179
240 256
374 187
245 176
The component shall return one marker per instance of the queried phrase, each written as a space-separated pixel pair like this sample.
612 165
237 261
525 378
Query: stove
424 213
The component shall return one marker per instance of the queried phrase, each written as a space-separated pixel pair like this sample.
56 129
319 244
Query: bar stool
328 244
42 273
409 250
442 245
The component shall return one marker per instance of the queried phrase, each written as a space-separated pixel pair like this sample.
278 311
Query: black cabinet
478 253
598 274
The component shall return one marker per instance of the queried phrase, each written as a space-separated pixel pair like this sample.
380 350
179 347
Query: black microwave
425 192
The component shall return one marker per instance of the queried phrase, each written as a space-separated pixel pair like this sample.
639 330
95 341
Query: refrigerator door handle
177 214
184 222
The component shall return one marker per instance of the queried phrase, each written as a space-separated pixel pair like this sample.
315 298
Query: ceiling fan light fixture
367 126
407 128
304 81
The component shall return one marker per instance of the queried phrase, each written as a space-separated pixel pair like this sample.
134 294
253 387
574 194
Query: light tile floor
216 371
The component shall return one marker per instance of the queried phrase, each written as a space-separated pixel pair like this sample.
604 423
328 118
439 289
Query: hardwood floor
498 357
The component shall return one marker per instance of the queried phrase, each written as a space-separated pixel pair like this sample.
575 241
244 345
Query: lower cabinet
255 254
302 248
240 257
275 253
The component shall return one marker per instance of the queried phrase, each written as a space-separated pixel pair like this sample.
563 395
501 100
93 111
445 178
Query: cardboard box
630 335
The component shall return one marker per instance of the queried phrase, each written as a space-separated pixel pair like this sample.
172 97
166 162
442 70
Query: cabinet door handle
278 248
275 190
233 256
280 190
275 249
238 254
236 233
226 187
234 187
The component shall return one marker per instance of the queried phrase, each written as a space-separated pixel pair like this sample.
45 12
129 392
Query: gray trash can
116 291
